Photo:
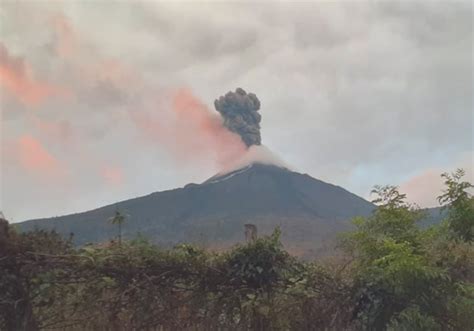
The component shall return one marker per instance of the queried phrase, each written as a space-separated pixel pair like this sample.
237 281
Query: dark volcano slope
309 211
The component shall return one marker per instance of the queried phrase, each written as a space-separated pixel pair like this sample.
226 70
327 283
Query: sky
102 101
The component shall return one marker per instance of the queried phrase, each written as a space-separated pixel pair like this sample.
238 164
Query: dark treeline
391 275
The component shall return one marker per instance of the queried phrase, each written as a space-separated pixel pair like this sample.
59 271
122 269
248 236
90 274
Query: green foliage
460 205
258 265
26 277
388 196
393 221
412 318
407 278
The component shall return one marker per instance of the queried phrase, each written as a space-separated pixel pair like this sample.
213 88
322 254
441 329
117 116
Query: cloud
34 157
187 129
425 187
56 131
17 78
112 175
66 43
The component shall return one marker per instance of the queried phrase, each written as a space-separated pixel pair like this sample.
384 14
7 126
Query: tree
460 205
393 218
118 219
396 285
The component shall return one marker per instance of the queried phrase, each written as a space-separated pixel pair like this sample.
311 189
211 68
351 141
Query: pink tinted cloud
116 72
189 130
34 157
207 130
66 37
17 78
424 188
112 175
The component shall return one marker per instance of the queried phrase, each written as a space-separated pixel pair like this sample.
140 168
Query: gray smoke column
240 112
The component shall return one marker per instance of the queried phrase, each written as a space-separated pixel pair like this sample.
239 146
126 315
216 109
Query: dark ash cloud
240 113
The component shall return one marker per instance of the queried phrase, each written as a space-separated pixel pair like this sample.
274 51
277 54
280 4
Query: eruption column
240 112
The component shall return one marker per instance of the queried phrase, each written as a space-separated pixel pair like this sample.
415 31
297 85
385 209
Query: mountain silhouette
309 212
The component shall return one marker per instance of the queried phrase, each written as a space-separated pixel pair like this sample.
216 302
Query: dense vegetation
393 275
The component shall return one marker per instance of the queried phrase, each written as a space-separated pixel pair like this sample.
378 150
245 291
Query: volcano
309 212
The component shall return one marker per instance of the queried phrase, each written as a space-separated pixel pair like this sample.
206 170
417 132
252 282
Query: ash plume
239 110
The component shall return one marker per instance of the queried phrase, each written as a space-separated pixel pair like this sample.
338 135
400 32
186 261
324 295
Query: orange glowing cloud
207 130
189 130
34 157
112 175
425 187
16 77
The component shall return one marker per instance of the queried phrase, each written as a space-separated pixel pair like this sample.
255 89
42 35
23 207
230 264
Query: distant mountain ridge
310 212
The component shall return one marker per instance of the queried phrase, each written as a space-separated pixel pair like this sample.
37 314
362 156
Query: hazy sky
103 101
